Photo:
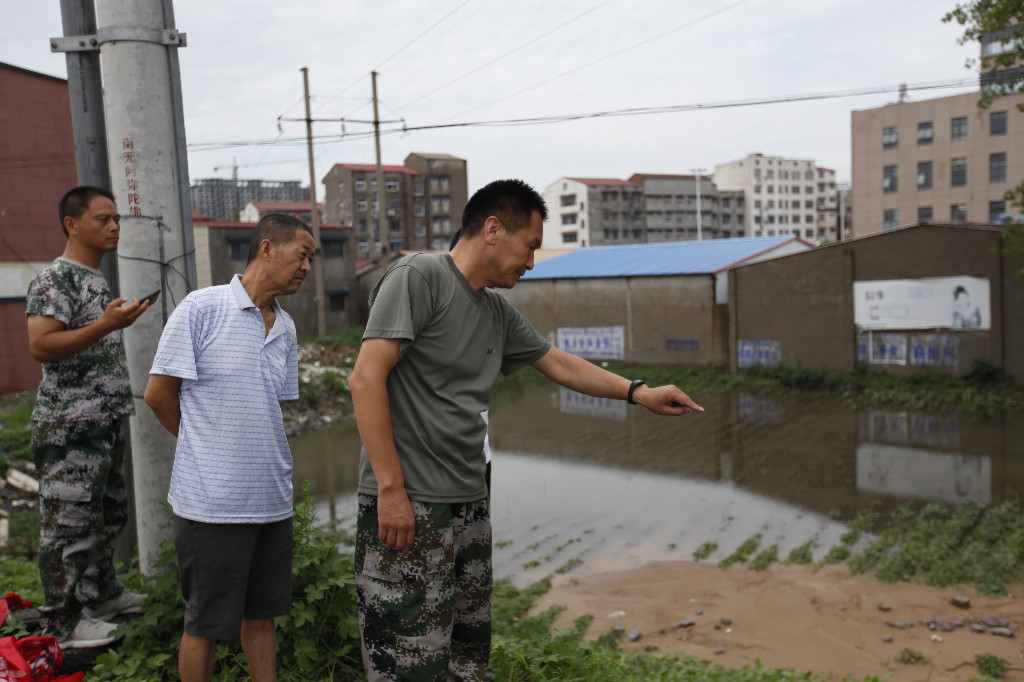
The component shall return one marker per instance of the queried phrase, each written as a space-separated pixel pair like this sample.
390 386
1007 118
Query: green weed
991 665
705 550
765 559
742 552
912 657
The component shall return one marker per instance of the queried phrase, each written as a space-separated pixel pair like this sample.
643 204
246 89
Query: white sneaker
89 633
126 602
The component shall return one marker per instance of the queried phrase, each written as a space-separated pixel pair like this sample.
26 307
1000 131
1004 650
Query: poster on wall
594 343
960 303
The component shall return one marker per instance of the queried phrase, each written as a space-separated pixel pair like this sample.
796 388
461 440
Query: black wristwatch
632 387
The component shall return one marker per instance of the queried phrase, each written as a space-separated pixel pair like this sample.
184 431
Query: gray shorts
230 572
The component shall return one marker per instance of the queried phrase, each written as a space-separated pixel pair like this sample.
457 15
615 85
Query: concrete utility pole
86 93
149 173
382 213
318 269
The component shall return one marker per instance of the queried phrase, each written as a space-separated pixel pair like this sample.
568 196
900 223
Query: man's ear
71 225
266 246
491 228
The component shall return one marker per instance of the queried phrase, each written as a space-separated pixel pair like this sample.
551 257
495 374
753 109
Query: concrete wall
667 320
805 301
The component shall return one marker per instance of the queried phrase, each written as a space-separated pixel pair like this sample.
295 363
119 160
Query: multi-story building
783 196
671 207
593 212
424 201
224 198
943 159
38 151
447 188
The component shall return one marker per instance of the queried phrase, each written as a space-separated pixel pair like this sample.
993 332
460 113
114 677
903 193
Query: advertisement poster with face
960 303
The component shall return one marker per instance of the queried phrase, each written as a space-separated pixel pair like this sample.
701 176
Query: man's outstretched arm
585 377
162 397
368 385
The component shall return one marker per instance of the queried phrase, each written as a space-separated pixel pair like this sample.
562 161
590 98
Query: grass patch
765 559
991 665
705 550
912 657
801 554
742 552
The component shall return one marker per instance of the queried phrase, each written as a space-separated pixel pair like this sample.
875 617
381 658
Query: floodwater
588 485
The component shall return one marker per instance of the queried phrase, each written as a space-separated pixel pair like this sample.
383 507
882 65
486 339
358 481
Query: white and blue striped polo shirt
232 463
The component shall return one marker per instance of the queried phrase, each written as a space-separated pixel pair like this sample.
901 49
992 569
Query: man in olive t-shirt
436 338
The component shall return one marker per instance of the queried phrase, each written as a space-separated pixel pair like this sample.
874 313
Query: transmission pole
381 208
318 269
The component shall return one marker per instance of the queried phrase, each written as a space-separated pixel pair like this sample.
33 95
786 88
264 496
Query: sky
472 61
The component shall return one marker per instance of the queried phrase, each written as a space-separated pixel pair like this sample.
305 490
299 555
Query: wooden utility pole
382 212
318 268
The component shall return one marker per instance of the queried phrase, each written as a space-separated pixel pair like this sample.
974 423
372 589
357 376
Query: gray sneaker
126 602
89 633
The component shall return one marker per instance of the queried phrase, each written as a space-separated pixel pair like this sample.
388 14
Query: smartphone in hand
151 299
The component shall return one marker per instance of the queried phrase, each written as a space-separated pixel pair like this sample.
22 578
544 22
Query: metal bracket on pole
112 34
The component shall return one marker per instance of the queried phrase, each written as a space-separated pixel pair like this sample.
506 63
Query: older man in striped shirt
227 357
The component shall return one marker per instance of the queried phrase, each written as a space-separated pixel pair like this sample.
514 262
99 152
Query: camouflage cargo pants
426 614
83 508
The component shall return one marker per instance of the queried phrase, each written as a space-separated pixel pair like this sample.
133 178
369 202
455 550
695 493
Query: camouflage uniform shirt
91 384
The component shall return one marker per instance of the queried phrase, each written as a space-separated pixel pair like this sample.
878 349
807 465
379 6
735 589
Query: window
958 172
796 219
419 211
924 175
757 189
726 219
890 137
360 185
891 220
771 189
958 212
958 130
391 185
394 225
394 206
569 219
997 123
362 225
568 199
890 179
333 248
421 230
239 248
757 204
996 209
364 247
341 185
809 175
770 204
809 189
925 132
341 206
769 174
439 182
361 206
924 214
337 299
725 202
809 203
796 189
569 237
373 185
417 189
809 218
997 167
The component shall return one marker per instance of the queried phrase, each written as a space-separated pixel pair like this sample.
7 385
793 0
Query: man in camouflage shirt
78 425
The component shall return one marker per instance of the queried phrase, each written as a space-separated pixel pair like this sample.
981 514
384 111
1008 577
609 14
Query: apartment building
674 211
225 198
593 212
783 196
424 202
943 159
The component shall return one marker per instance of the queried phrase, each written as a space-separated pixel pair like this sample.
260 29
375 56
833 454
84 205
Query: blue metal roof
664 258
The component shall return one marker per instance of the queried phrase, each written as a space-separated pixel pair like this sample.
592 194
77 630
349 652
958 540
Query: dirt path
791 617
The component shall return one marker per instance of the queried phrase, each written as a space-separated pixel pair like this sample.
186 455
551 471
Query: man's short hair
278 229
75 202
513 202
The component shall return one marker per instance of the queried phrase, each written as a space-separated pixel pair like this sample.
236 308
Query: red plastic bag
32 659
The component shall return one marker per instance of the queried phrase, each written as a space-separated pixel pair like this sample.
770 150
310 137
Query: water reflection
606 483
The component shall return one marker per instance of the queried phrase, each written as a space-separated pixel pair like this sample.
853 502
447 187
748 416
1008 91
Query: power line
614 113
505 54
646 41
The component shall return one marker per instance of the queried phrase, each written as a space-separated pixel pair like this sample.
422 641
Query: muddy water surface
586 485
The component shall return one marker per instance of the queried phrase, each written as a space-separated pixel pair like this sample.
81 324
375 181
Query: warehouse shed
660 303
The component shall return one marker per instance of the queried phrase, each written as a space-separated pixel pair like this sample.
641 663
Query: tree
999 23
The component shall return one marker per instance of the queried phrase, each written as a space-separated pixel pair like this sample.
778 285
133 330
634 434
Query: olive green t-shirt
453 342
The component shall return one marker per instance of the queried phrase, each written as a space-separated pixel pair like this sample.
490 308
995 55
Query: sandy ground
791 617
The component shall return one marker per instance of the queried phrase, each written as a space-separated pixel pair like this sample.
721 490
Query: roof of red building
605 182
664 176
371 168
284 205
234 224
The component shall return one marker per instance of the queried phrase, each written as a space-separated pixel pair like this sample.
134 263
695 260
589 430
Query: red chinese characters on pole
134 201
